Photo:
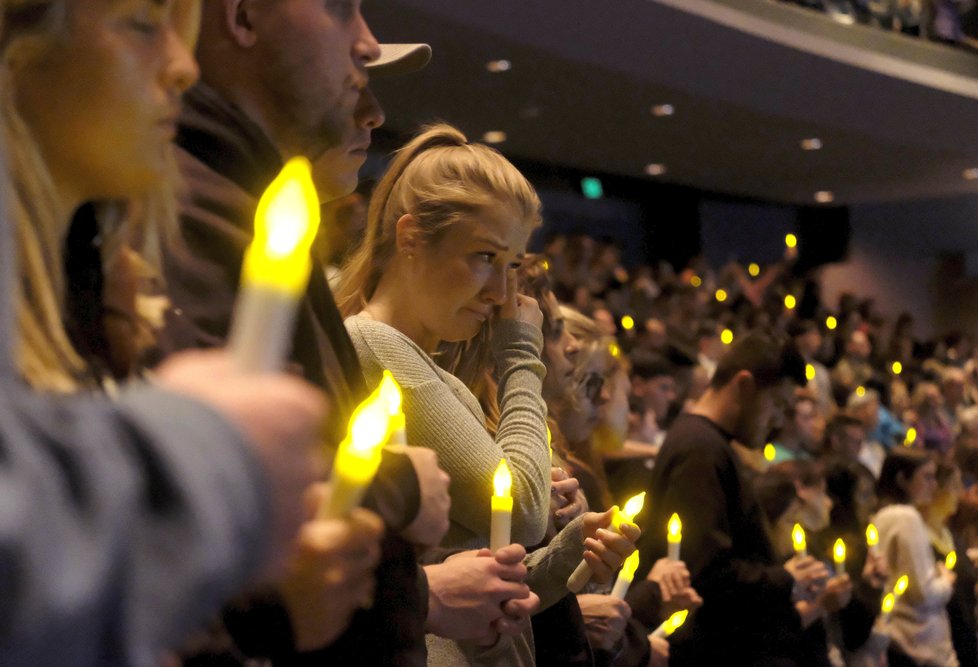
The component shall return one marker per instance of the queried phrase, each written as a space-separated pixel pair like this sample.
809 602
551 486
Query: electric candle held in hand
275 270
671 624
358 456
872 539
390 394
582 574
798 540
625 577
951 560
839 557
901 585
502 508
889 601
674 536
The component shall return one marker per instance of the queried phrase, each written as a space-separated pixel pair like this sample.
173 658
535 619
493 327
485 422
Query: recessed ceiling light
970 174
655 169
496 66
811 144
662 110
494 137
824 197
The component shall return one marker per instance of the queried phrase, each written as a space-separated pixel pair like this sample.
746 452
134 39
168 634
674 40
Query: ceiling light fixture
811 144
494 137
497 66
970 174
824 197
655 169
663 110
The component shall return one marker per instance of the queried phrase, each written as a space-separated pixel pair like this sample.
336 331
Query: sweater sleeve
442 416
123 525
549 567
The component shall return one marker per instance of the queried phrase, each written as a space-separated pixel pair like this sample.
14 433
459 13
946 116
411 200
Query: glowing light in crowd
911 437
790 302
809 372
726 336
951 560
627 322
791 241
839 557
674 536
897 367
831 323
695 281
754 269
798 540
770 453
502 507
721 295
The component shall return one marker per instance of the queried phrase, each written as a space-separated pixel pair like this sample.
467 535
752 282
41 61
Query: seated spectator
801 435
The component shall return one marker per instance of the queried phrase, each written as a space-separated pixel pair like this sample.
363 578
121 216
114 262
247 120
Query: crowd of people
159 503
946 21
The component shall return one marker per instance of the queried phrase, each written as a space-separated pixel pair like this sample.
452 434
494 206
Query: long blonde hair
439 178
45 355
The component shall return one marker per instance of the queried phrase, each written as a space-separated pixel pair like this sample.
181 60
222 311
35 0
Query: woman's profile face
463 275
922 484
102 98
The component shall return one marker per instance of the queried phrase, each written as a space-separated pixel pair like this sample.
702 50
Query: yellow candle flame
798 538
695 281
550 443
790 302
286 222
770 453
675 529
726 336
809 372
951 560
901 585
911 436
633 506
675 621
831 323
721 295
889 600
627 322
359 454
897 368
390 393
790 240
754 269
839 551
872 535
860 391
502 481
614 350
630 565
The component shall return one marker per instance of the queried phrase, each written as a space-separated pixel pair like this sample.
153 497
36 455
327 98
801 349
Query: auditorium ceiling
747 80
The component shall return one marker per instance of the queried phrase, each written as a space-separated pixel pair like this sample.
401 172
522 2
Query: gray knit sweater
443 415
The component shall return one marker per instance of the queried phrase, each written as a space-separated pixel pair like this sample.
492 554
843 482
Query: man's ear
238 16
408 235
744 382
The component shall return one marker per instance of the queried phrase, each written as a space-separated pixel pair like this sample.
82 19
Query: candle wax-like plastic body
502 522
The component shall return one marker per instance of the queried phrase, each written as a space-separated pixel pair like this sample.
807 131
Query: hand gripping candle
582 574
502 508
625 577
674 536
798 540
358 456
275 270
671 624
839 557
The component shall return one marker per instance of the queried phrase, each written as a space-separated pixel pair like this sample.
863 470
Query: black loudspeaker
823 235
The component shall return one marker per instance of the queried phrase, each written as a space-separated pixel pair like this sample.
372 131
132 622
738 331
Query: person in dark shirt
748 614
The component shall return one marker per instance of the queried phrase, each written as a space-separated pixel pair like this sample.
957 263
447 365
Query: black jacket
226 162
